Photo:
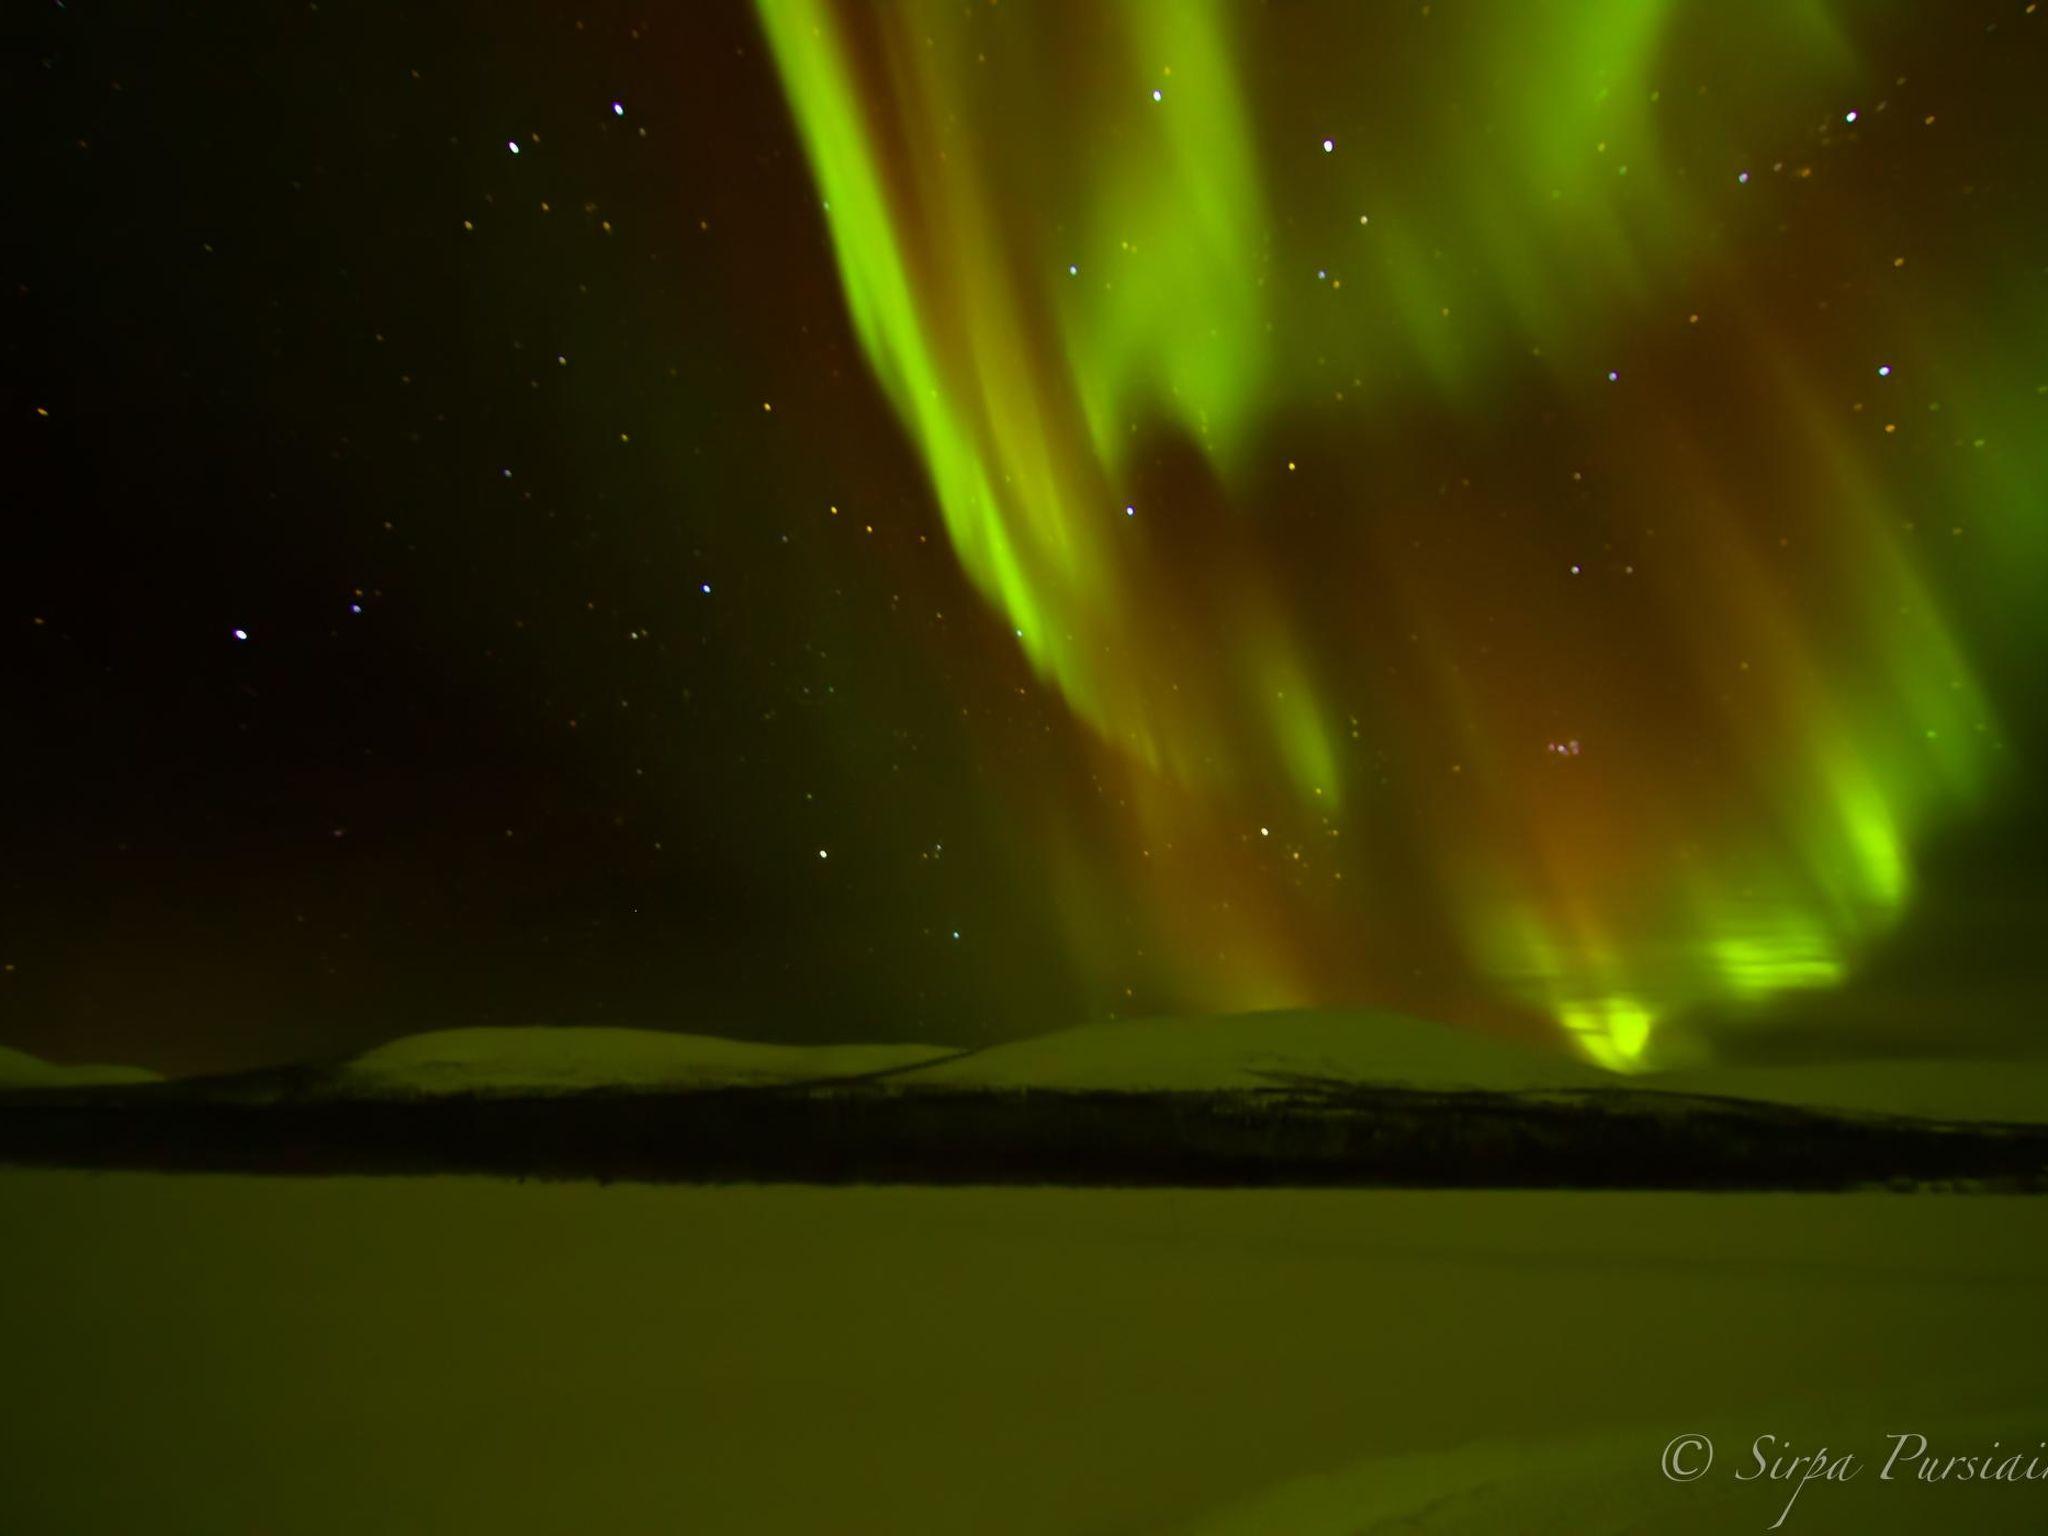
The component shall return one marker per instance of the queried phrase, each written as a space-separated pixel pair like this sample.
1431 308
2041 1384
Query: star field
595 515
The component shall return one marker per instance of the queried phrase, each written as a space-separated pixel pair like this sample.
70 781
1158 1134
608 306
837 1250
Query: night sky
956 520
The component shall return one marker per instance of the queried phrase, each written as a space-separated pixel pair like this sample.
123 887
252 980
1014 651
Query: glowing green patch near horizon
1213 333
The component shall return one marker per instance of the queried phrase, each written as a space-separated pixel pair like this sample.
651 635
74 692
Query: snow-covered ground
205 1354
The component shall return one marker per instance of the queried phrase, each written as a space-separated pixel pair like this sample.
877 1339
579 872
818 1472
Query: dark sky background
561 669
541 775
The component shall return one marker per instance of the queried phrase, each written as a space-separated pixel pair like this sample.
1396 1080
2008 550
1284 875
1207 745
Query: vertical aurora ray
1511 615
1023 356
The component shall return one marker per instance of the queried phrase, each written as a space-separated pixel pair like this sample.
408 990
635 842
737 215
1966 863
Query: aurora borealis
818 522
1232 767
1480 474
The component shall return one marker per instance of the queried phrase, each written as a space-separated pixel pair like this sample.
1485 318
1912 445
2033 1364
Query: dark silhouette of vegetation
1298 1132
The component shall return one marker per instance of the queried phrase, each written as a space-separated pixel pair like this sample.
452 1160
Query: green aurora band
1425 645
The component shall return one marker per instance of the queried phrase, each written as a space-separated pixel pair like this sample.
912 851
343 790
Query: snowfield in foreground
200 1354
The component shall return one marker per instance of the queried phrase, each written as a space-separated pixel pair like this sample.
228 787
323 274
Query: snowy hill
1202 1054
18 1069
1242 1051
2010 1092
1306 1098
1262 1050
548 1060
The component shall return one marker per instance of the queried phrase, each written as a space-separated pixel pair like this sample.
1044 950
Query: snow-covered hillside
2012 1092
1189 1055
539 1060
1211 1054
18 1069
1261 1050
